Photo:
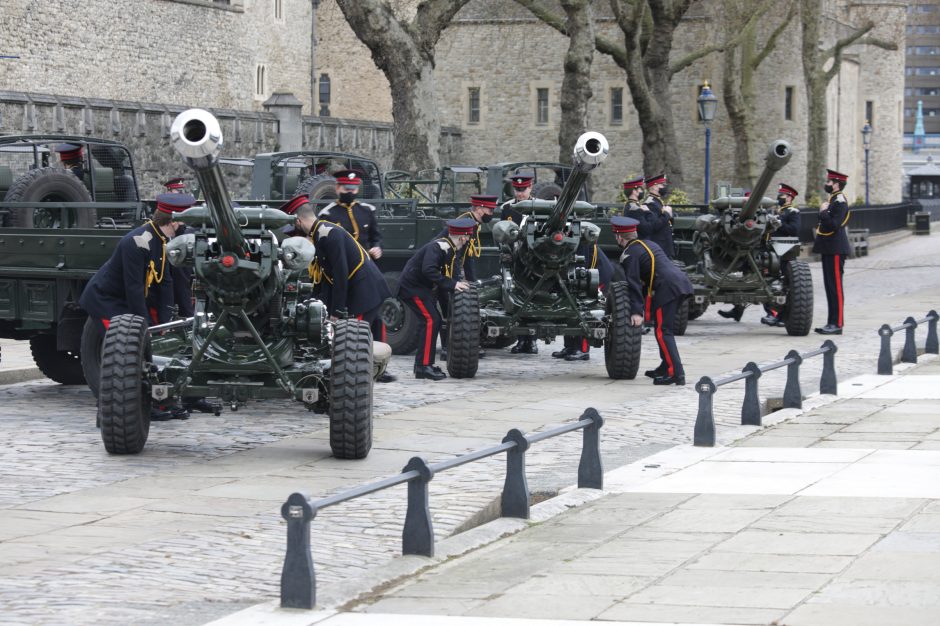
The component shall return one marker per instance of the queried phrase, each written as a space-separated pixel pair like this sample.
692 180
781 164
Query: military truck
57 227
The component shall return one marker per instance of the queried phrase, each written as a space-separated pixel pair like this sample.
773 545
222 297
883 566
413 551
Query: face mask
347 197
781 200
829 188
663 191
486 217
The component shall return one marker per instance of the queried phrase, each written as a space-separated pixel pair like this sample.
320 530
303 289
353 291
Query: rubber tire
351 390
404 340
124 397
49 184
546 190
319 187
91 356
623 344
681 322
463 334
64 367
799 308
697 310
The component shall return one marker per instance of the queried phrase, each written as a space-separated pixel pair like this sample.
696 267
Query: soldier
577 348
651 273
182 276
175 185
521 191
633 189
72 158
832 243
433 267
303 221
135 279
789 227
657 226
358 218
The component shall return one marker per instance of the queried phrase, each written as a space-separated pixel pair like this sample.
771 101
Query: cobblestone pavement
191 529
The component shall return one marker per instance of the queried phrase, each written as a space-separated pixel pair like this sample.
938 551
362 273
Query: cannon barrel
197 135
777 156
590 150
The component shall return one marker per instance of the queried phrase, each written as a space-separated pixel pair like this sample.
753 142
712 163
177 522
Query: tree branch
837 48
879 43
772 40
433 17
691 58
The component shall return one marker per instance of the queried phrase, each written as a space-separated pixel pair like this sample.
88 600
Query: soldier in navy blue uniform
521 191
481 211
433 268
633 190
303 221
358 218
657 225
135 279
789 227
832 243
72 158
182 276
577 348
657 287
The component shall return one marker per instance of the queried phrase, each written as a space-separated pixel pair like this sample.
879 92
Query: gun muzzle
590 150
197 136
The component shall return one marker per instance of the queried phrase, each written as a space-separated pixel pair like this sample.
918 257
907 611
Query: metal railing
909 352
298 581
751 373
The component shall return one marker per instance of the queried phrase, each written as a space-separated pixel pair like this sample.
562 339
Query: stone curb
19 375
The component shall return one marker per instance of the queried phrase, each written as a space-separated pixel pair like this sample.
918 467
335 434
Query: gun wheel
799 308
124 394
697 310
463 344
682 318
351 390
623 344
62 366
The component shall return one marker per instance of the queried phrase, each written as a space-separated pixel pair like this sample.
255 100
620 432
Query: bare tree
404 51
817 76
576 85
742 56
648 28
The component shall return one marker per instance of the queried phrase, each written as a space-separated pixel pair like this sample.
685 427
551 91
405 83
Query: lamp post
707 106
866 141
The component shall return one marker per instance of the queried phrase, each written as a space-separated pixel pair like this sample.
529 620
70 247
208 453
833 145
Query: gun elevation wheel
62 366
799 308
624 342
351 390
463 334
124 394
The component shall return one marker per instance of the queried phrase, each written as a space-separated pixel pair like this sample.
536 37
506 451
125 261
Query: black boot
669 380
577 355
385 377
202 405
560 354
429 372
735 313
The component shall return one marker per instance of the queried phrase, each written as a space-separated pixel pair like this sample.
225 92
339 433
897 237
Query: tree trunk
404 51
817 141
576 85
739 99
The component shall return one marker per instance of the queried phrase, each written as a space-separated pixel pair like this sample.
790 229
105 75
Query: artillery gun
543 289
740 262
257 333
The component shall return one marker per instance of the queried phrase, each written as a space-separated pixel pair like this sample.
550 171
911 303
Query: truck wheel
623 343
50 184
351 390
91 355
463 339
681 322
62 366
799 307
697 310
124 395
545 190
319 187
401 324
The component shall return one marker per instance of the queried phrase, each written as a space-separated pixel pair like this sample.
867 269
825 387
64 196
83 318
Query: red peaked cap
655 180
174 202
485 201
347 177
834 175
521 182
633 184
788 190
69 151
290 207
175 183
621 224
461 226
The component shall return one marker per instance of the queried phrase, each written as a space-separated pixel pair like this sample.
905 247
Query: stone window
788 103
260 81
870 112
541 106
279 10
473 105
324 95
616 106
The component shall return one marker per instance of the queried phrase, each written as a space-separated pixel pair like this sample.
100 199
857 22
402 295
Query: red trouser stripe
584 346
106 324
153 315
662 344
838 275
384 333
428 332
649 301
359 317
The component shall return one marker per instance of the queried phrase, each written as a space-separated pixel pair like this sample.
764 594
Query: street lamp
707 106
867 130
